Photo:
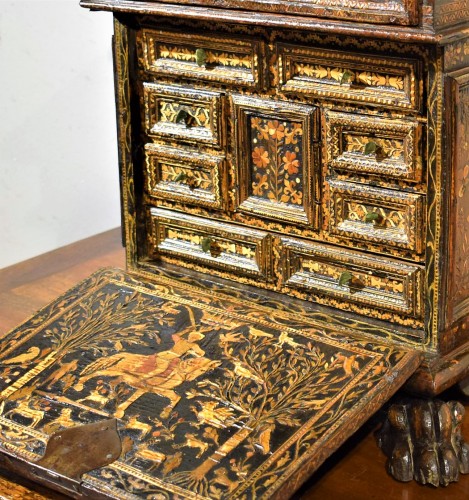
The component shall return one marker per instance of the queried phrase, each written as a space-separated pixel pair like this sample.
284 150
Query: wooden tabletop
355 472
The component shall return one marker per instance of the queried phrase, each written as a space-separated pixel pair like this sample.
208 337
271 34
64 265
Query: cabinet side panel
459 277
434 198
123 97
455 302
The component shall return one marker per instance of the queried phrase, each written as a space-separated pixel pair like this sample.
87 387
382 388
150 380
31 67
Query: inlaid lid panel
214 395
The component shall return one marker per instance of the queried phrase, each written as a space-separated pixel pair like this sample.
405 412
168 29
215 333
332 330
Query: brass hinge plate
69 454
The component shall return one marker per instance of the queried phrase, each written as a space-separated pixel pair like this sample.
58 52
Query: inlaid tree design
266 393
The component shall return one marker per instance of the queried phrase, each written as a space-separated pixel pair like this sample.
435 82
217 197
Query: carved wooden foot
422 440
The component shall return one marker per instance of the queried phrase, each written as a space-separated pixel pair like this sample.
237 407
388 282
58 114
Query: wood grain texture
424 34
345 475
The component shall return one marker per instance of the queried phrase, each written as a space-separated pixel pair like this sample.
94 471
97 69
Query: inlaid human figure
158 373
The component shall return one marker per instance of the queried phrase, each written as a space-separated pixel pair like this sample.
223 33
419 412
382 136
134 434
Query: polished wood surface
356 471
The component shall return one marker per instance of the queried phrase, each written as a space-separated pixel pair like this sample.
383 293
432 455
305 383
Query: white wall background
58 153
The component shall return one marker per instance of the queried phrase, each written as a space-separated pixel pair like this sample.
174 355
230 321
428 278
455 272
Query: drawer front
229 60
381 216
275 168
173 112
348 276
363 78
387 148
184 176
213 244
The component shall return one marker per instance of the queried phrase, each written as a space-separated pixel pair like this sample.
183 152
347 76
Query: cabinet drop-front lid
163 389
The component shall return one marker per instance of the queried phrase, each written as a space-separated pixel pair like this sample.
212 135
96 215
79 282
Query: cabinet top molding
403 20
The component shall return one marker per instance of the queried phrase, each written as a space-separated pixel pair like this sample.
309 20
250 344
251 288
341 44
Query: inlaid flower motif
261 127
260 157
291 193
291 164
276 169
260 185
256 122
276 129
292 134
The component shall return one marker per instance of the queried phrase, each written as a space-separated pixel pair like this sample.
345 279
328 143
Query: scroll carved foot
422 440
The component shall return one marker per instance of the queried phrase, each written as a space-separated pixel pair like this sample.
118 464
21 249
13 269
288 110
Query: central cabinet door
276 175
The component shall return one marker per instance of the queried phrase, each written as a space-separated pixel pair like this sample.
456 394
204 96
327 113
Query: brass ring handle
345 278
210 246
183 116
200 57
346 76
205 244
371 147
181 177
373 217
188 179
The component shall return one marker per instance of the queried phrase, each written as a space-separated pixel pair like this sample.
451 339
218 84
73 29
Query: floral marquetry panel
214 397
275 170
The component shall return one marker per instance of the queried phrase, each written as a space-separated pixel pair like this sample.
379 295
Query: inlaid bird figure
255 332
25 357
243 370
221 478
349 363
61 371
284 338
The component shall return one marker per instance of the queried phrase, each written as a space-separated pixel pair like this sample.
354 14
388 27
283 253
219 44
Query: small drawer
371 80
323 271
382 147
175 112
236 249
217 58
381 216
185 176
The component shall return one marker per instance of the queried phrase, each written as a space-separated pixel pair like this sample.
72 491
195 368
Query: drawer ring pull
371 148
346 76
373 217
210 246
182 177
345 278
184 117
200 57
